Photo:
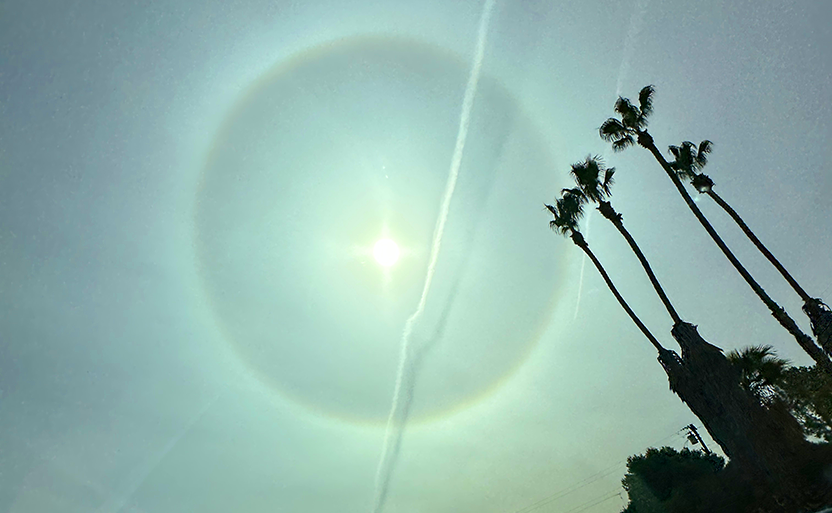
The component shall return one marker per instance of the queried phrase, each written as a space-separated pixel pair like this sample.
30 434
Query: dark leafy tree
631 128
808 394
667 481
688 163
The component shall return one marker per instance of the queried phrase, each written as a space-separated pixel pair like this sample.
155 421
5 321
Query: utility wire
596 501
587 481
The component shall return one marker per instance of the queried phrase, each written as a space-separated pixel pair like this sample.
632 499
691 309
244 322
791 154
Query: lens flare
386 252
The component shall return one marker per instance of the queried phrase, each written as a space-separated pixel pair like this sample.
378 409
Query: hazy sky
190 315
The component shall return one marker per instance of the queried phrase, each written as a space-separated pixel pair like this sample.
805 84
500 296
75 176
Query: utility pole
693 436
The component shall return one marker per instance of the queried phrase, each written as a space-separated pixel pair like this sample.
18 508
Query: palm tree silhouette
760 369
702 378
688 163
595 181
567 212
632 128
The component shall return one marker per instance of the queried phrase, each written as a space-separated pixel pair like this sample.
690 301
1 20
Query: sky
191 318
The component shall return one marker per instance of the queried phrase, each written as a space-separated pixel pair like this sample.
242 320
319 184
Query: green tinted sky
190 321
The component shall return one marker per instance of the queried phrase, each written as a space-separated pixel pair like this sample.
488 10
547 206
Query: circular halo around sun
333 147
386 252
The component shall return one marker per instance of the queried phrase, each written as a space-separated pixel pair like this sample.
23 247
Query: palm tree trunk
579 241
808 345
764 250
609 212
820 317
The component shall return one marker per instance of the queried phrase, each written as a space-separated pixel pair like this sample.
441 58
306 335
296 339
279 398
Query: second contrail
394 432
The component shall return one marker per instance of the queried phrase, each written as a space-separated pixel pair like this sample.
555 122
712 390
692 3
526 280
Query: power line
587 481
596 501
577 486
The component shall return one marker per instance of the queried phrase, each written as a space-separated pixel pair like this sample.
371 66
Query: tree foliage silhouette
631 127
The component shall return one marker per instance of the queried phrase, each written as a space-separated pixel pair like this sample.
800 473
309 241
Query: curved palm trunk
760 246
615 218
579 241
819 314
808 345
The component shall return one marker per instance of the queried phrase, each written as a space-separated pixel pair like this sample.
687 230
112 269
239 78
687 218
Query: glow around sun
386 252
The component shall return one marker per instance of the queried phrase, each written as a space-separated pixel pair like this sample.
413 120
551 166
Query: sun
386 252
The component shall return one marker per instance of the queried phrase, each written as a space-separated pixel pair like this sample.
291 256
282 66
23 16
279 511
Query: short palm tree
631 128
567 212
760 369
595 181
688 163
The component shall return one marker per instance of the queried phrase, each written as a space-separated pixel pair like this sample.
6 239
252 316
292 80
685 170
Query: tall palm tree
704 380
567 212
595 181
631 127
688 163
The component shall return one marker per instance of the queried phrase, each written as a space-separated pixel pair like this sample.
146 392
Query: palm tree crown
593 179
760 368
631 127
689 160
567 211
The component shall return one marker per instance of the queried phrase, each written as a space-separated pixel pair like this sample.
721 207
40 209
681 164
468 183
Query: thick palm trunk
579 241
808 345
821 317
615 218
819 314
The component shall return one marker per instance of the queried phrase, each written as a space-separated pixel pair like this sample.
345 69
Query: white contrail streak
119 501
583 266
633 31
394 432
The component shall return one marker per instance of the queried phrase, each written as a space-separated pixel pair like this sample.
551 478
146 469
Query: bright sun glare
386 252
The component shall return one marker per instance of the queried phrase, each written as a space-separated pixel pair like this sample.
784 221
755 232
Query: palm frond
571 204
645 102
592 178
612 130
684 160
624 107
623 143
553 210
759 365
629 113
702 154
608 180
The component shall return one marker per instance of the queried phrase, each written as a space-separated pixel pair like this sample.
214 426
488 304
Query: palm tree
595 183
567 212
688 163
760 369
804 391
703 379
632 128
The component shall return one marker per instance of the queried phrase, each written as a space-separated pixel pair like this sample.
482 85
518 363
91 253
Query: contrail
633 30
118 502
636 22
385 465
414 363
583 266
